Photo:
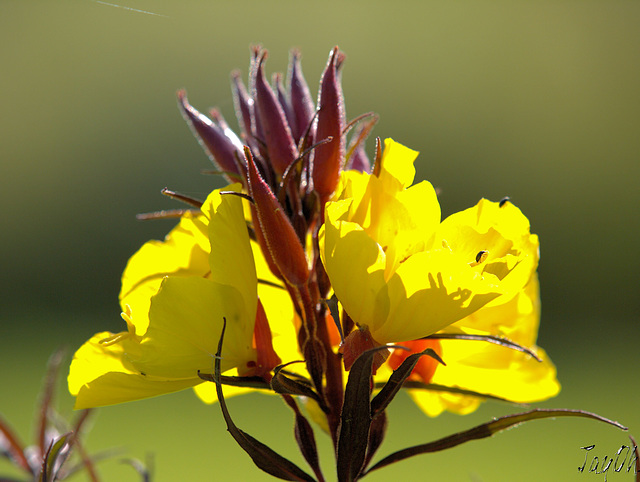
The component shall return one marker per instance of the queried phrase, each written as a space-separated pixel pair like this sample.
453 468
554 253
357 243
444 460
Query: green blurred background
538 100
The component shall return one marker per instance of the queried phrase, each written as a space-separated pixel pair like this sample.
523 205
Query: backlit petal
184 252
186 320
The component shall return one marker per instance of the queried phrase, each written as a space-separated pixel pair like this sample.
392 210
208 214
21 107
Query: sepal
279 235
329 158
221 145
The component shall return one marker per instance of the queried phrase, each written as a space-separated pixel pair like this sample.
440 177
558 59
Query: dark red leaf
264 457
305 438
487 430
382 400
356 418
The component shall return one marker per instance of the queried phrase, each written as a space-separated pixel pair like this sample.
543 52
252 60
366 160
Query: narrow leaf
376 435
264 457
95 458
417 385
47 397
498 340
54 458
487 430
13 447
74 442
305 438
382 400
355 418
247 382
140 467
87 462
284 385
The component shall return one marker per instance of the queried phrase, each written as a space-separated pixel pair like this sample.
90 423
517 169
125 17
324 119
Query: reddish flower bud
329 157
263 243
279 235
243 103
245 111
281 147
283 98
266 356
356 343
220 144
301 101
426 366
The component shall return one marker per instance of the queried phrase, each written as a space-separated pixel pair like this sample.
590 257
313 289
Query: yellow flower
399 273
492 369
175 295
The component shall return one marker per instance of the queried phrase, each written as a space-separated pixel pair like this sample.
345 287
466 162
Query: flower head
490 369
401 273
176 296
306 218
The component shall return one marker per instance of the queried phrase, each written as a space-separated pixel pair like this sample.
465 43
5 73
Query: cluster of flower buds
289 157
313 254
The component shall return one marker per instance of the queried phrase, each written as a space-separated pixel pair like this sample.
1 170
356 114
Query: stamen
239 194
504 201
182 197
168 214
377 163
113 339
361 117
360 135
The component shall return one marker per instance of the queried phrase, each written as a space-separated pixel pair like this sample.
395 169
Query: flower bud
244 107
426 366
279 235
329 157
221 145
266 357
301 101
356 343
281 147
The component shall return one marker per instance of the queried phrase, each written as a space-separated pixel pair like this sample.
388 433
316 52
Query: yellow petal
517 319
397 163
94 359
102 375
429 291
400 222
378 221
207 391
434 403
355 264
184 252
231 259
117 387
501 231
186 320
491 369
523 380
